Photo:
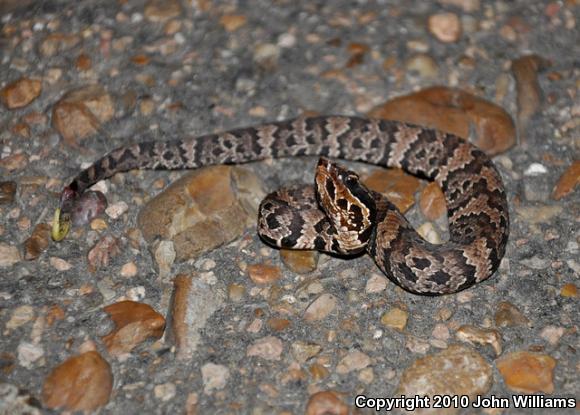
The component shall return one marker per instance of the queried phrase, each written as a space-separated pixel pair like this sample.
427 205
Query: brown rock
457 370
263 273
326 403
21 129
7 192
446 27
568 181
454 111
14 161
527 372
278 324
20 93
395 318
507 315
472 335
432 201
193 302
53 314
357 53
104 250
203 210
81 383
232 22
84 62
38 241
140 59
58 42
134 323
162 10
525 70
398 186
569 290
35 118
318 371
300 262
80 112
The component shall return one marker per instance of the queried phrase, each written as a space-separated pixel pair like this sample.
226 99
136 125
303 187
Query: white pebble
429 233
535 169
20 316
286 40
375 284
136 17
165 392
28 353
116 210
214 376
100 186
136 293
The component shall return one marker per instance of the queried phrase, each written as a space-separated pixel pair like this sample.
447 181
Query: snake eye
351 180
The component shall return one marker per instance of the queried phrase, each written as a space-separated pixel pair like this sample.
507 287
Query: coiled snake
339 214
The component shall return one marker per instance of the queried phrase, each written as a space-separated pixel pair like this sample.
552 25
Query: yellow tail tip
60 226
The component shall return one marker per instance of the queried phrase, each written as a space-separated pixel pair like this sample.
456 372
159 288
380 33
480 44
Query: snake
338 214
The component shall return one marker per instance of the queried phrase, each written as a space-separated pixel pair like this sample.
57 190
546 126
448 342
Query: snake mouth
60 225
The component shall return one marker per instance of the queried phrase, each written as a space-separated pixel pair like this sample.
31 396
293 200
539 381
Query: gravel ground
291 342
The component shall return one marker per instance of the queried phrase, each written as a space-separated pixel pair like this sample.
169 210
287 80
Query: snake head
346 201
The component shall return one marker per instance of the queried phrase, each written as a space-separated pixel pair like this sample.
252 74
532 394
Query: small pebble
320 308
268 348
424 65
395 318
354 360
429 233
569 290
215 377
535 169
115 210
20 316
60 264
552 334
9 255
446 27
326 403
375 284
28 353
263 273
527 372
236 292
165 392
7 192
129 270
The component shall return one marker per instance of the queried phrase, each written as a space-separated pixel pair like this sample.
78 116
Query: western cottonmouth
339 214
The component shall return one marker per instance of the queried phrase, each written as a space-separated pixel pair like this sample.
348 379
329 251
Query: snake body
339 214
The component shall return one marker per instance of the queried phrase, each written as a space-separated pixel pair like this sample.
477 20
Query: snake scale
339 214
